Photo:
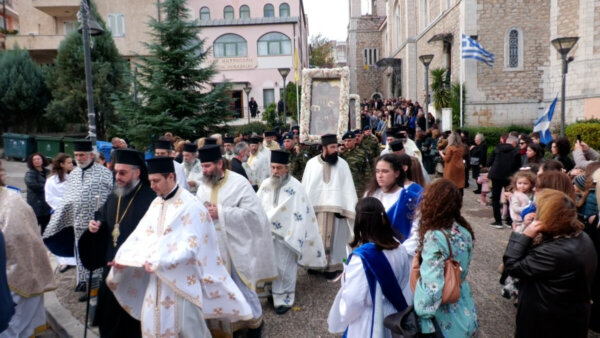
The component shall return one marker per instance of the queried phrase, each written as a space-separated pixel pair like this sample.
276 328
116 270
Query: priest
117 219
191 166
328 182
228 146
294 227
270 141
169 273
88 187
257 166
242 229
164 147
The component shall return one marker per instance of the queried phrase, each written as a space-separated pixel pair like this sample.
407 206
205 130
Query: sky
328 17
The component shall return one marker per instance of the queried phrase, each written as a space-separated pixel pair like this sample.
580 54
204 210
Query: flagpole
462 66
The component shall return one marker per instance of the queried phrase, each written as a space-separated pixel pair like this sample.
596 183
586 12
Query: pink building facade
250 40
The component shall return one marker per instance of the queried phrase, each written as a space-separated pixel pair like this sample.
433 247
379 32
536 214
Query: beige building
9 20
45 23
526 75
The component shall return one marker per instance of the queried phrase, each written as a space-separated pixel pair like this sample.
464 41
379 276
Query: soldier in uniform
371 143
297 159
357 161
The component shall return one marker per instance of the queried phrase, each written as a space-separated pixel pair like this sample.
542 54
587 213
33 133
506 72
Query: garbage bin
69 146
49 146
18 146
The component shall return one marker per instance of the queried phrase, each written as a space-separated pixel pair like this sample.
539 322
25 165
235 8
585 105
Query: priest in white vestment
409 146
330 188
164 147
242 227
169 273
270 141
191 166
228 146
257 166
294 227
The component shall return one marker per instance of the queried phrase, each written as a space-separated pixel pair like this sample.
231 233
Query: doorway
237 103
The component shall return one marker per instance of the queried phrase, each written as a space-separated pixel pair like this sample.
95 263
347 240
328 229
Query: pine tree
66 78
23 93
173 86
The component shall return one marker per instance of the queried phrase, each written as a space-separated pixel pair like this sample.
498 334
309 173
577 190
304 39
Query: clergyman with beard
293 223
241 152
228 146
191 166
88 187
330 188
243 231
119 216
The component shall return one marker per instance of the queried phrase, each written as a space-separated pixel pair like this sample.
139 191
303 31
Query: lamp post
426 60
89 27
247 90
564 46
284 73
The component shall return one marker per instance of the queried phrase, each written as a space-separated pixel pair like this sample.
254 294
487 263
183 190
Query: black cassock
96 250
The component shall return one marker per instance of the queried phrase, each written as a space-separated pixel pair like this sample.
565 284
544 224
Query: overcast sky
328 17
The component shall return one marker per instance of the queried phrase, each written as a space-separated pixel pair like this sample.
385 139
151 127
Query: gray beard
211 179
229 153
188 166
277 181
126 189
83 165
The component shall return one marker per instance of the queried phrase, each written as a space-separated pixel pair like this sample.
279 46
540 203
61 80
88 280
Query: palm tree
440 87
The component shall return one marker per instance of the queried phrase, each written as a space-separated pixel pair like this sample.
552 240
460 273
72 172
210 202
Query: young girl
485 184
523 182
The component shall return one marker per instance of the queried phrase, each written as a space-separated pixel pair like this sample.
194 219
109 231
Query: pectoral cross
115 234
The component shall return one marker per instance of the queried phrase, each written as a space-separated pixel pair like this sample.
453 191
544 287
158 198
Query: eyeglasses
522 143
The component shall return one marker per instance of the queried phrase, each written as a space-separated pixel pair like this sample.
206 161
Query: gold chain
116 232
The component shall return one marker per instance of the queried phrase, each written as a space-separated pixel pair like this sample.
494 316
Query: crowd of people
185 243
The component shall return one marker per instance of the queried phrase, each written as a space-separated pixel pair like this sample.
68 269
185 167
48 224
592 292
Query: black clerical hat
160 165
328 139
163 144
400 134
270 133
209 153
348 135
254 140
227 140
397 145
279 156
190 148
210 140
296 128
129 156
83 145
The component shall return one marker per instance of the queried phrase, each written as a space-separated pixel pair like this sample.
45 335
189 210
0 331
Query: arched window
284 10
269 11
513 50
274 44
230 45
228 12
244 12
204 13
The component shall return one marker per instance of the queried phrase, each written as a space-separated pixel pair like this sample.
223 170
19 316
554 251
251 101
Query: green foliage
320 52
270 115
492 134
23 92
291 100
589 131
66 79
173 84
254 127
439 88
455 102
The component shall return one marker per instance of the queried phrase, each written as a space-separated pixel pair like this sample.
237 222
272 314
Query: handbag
475 161
405 324
452 271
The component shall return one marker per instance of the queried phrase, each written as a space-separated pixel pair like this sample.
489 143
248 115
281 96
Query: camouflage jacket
359 165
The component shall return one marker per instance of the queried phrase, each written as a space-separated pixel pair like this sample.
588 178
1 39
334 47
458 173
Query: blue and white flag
542 125
471 49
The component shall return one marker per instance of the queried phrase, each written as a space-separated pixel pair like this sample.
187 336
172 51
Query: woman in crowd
35 179
555 272
535 155
478 158
54 190
388 180
441 219
365 299
524 140
587 207
454 168
560 152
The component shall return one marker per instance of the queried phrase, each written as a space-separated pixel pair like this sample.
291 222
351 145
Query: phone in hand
579 138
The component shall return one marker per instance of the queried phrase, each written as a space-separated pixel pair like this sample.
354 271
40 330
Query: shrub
254 127
492 134
589 131
270 115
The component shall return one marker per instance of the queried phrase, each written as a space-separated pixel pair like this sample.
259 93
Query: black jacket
566 161
504 161
36 197
555 280
236 167
480 152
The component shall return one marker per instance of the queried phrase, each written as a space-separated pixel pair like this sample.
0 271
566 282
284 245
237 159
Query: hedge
492 134
589 131
256 127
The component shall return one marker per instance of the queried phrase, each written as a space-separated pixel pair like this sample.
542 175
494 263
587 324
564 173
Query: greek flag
542 125
471 49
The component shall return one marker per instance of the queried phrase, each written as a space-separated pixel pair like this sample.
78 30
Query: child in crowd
523 182
485 184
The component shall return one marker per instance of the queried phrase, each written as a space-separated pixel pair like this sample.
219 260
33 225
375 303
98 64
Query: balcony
34 42
11 10
58 8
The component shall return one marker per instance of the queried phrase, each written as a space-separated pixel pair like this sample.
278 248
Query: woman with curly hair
441 223
560 150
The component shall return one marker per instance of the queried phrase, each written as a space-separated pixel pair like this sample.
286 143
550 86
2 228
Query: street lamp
564 46
284 73
426 60
247 90
89 27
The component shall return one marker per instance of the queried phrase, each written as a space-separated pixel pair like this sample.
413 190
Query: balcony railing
58 8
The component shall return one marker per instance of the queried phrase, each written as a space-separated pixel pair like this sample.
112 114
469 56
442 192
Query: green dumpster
49 146
69 145
18 146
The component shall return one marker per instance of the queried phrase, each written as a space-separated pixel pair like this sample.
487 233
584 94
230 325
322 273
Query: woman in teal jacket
440 217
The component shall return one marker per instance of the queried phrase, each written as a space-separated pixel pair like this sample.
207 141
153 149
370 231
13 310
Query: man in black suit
253 107
241 151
